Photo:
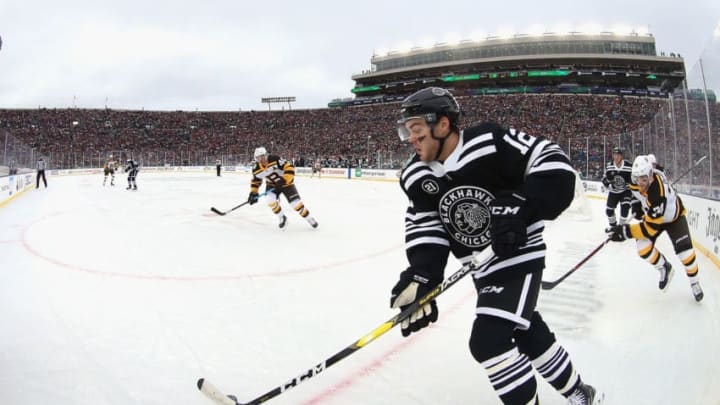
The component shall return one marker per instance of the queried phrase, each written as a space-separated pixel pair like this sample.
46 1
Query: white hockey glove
409 289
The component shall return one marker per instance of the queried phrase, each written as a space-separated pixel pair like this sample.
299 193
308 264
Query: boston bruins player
664 211
279 174
316 168
468 190
617 179
109 170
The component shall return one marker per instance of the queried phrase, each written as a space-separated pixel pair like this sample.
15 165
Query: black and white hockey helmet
617 150
429 103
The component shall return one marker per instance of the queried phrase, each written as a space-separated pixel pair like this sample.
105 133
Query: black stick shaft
549 285
685 173
217 211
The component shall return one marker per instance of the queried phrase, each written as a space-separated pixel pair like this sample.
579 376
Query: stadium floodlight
452 39
642 31
381 52
536 30
590 29
621 29
562 29
506 32
404 47
427 43
478 36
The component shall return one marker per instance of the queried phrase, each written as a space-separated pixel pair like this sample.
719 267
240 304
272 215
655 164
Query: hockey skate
585 395
312 222
283 222
697 291
666 273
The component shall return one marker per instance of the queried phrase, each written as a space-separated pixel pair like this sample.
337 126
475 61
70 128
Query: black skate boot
585 395
312 222
283 222
697 291
666 273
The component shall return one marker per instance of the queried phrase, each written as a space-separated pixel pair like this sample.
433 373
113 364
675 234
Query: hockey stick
689 170
549 285
482 259
217 211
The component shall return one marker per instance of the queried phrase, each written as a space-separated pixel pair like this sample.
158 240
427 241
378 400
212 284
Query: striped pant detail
557 369
688 260
512 377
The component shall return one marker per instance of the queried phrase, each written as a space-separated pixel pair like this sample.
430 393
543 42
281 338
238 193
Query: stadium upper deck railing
681 132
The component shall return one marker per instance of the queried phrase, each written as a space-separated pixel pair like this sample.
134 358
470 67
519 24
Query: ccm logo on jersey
491 289
505 210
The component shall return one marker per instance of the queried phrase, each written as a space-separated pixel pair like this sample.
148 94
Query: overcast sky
227 55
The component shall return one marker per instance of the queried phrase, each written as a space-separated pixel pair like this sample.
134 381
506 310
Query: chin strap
440 140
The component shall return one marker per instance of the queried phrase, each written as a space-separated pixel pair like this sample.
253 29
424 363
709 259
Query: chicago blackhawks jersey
275 169
449 202
617 178
660 203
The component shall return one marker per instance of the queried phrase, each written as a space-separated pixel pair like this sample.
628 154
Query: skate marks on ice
570 306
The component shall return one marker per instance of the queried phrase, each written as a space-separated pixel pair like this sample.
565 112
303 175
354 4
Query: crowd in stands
363 135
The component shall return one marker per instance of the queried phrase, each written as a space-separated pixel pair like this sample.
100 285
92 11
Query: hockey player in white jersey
470 189
109 170
664 212
278 174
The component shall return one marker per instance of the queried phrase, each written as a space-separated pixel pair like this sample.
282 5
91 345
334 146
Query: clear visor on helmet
404 132
638 177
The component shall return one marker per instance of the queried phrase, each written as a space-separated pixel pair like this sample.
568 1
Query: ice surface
110 296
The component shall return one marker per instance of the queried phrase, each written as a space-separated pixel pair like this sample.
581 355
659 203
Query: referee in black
40 173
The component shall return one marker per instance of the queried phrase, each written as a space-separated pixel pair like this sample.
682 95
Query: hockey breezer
217 211
481 259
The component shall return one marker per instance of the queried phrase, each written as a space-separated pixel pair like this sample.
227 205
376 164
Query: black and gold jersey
661 205
275 169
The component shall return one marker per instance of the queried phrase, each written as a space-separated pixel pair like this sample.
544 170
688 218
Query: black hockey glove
279 184
606 182
410 288
508 223
618 233
252 198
